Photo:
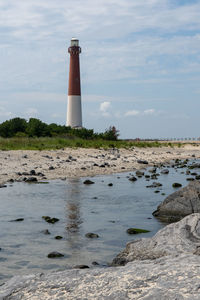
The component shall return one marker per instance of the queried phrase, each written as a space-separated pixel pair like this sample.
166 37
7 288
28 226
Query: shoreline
83 280
82 162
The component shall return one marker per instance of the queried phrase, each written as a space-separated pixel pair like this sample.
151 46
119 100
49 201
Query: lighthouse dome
74 42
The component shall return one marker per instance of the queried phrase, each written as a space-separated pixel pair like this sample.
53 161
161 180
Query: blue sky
140 63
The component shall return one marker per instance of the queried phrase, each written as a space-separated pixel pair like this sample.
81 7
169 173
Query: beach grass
53 143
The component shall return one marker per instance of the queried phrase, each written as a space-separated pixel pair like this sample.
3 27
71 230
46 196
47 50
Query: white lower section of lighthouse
74 111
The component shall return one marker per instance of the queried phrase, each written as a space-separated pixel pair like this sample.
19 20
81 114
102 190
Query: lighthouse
74 111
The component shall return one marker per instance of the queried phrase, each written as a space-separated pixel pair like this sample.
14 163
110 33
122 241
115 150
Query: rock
132 178
154 185
139 173
136 231
58 237
95 263
152 170
31 179
50 220
46 231
40 174
91 235
88 181
55 254
197 177
194 166
18 220
190 179
181 203
171 271
177 160
11 180
81 267
165 171
154 176
51 168
174 239
25 173
176 185
145 162
110 184
3 186
32 172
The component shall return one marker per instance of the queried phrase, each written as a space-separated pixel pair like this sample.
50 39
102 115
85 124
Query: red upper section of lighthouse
74 71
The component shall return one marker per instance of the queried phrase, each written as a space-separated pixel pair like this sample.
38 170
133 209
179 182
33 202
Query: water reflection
73 206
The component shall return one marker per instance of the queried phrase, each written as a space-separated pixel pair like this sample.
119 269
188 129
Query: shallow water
98 208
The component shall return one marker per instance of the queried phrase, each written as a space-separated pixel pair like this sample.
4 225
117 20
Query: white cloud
103 27
104 106
100 18
132 113
149 111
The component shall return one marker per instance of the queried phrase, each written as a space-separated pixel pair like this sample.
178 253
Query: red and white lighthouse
74 111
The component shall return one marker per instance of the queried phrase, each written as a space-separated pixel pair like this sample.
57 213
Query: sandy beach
59 164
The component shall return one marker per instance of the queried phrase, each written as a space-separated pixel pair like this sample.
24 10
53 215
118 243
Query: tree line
18 127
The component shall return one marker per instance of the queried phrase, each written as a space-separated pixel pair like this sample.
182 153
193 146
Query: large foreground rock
174 275
174 239
161 279
181 203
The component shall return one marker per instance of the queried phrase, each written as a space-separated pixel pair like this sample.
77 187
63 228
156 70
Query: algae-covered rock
136 230
92 235
176 185
50 220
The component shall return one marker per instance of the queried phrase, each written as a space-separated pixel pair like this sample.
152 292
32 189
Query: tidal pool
105 210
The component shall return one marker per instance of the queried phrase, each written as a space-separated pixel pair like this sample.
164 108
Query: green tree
111 134
37 128
11 127
83 133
